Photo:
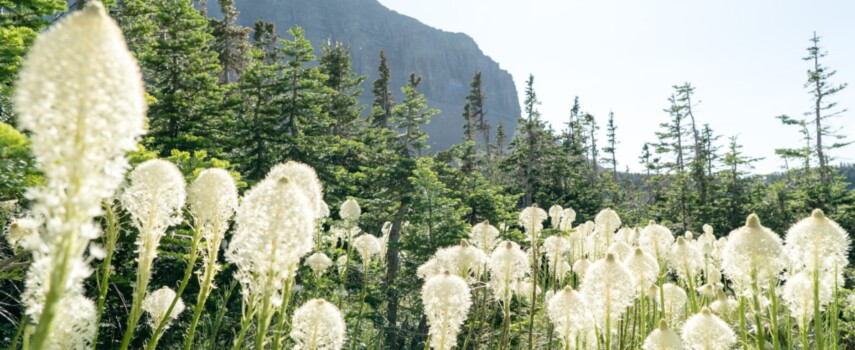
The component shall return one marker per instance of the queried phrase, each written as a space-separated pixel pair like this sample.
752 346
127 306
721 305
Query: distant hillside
447 61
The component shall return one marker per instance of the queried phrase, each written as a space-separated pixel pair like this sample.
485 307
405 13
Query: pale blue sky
743 57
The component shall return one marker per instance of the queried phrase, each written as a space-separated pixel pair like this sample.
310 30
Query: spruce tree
301 92
611 143
821 90
181 73
230 42
384 100
409 116
343 106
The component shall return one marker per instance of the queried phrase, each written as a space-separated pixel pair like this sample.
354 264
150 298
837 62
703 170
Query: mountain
446 61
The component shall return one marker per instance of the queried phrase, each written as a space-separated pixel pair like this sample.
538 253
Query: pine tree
384 100
821 90
230 42
343 106
301 92
409 116
737 189
258 132
182 72
476 103
611 142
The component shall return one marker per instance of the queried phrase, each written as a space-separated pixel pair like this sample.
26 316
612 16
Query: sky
743 57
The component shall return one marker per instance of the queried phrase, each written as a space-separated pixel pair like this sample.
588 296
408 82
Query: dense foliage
221 96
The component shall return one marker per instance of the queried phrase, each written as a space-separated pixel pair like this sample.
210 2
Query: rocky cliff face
446 61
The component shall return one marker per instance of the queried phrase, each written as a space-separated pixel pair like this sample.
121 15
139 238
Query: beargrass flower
568 312
350 210
685 260
274 229
446 303
319 263
643 267
555 214
723 305
156 304
799 298
656 240
484 236
75 325
817 243
318 325
609 289
607 222
705 331
462 260
212 199
508 263
753 254
305 178
620 249
554 247
24 233
581 266
430 268
531 219
675 302
368 246
662 338
567 219
80 96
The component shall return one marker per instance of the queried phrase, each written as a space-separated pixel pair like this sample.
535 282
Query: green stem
112 235
191 263
22 324
362 293
283 314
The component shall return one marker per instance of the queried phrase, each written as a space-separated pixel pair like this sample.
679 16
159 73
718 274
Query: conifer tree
301 92
384 100
182 72
343 106
821 90
611 142
258 129
230 42
409 116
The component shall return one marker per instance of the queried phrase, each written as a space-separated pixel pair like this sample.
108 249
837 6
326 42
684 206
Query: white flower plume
80 96
318 325
446 302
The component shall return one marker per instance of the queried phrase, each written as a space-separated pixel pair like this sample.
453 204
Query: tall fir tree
343 106
230 42
181 73
384 99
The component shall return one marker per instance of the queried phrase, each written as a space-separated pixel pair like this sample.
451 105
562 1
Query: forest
174 181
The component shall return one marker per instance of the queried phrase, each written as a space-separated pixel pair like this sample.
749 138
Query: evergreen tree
230 42
384 100
821 90
181 73
409 116
611 142
259 132
343 106
301 91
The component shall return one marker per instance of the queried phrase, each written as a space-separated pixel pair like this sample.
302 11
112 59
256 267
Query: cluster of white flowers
274 229
463 260
318 325
569 312
446 302
609 289
656 240
484 236
154 198
663 338
350 210
368 246
79 79
508 263
531 219
705 331
157 303
319 263
753 254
